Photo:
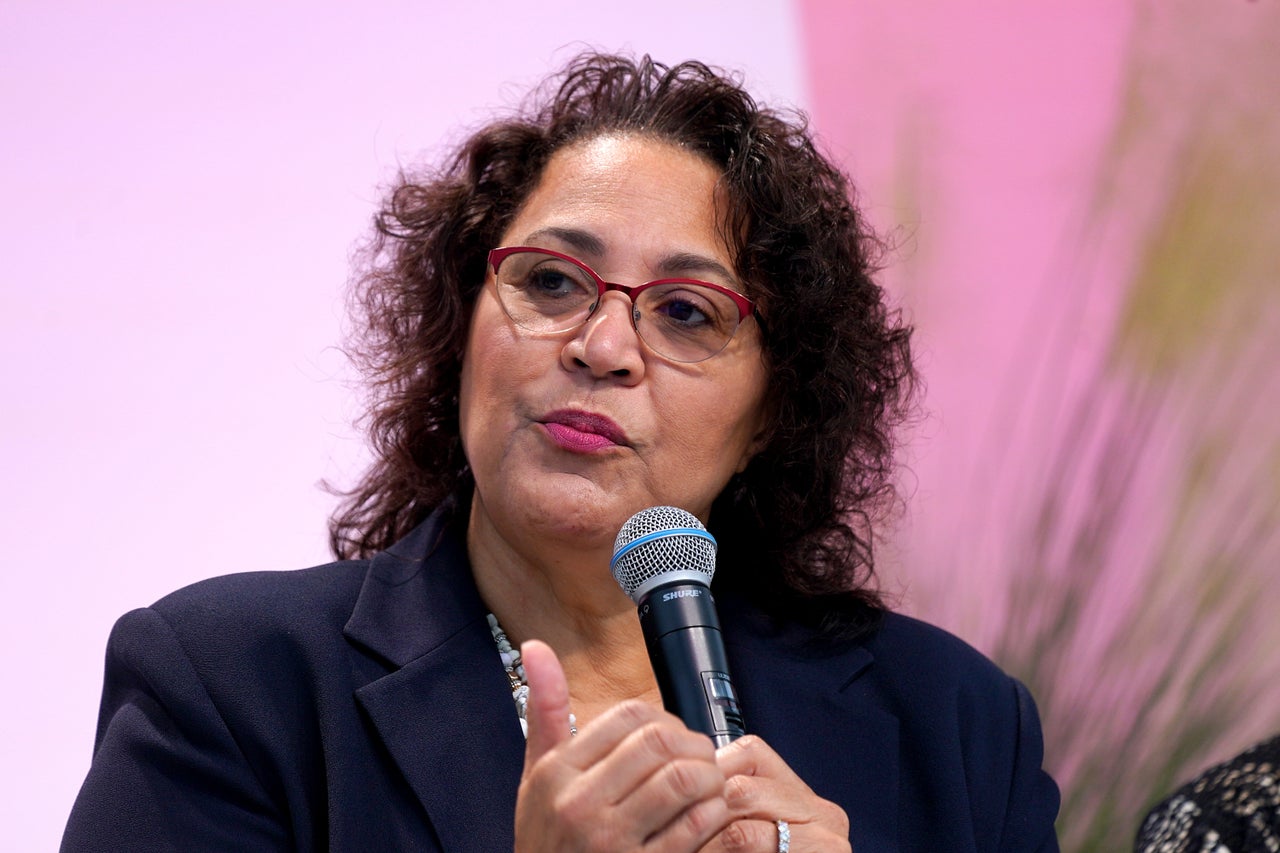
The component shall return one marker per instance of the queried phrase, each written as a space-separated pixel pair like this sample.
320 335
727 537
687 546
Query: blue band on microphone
660 534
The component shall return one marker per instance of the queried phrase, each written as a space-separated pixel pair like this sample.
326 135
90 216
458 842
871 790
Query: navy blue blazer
361 706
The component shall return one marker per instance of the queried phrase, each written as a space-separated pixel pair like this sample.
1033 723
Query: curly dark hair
796 525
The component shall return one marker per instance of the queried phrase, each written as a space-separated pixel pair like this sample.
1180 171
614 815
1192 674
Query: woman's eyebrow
675 265
581 241
690 263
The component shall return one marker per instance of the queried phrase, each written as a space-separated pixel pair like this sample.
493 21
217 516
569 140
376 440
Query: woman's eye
684 311
688 308
549 281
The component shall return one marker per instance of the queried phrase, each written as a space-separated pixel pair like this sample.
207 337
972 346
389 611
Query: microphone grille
658 544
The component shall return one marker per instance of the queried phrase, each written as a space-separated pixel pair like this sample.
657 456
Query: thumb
547 711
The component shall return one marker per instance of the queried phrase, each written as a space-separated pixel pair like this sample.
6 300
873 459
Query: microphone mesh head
659 544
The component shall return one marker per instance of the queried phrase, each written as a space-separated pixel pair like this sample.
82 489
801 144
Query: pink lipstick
583 432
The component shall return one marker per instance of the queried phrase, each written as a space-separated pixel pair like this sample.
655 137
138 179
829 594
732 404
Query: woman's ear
758 443
766 425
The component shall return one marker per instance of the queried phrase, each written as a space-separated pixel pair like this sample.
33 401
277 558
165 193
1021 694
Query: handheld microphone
664 559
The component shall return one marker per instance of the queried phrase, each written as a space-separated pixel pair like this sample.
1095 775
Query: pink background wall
182 189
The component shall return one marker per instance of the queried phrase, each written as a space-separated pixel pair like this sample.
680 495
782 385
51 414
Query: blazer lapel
445 712
819 712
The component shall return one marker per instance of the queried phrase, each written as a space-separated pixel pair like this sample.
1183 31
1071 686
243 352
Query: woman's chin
564 507
584 515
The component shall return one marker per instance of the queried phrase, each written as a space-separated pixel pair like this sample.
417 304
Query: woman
1233 807
643 290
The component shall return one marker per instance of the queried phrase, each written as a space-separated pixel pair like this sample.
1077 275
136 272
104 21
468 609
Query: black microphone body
664 560
682 633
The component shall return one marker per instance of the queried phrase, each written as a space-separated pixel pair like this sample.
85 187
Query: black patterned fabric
1233 807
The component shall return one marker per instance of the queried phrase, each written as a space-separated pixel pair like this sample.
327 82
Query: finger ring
784 836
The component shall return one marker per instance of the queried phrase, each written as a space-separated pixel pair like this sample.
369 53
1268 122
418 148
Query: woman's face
570 433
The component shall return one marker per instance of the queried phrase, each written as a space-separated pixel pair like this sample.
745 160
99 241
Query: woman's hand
634 779
760 790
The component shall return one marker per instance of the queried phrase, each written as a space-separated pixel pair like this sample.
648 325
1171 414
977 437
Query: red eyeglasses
682 319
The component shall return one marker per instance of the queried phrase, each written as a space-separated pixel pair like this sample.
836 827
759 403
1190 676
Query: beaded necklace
514 666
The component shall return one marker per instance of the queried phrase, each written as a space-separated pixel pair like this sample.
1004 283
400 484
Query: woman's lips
583 432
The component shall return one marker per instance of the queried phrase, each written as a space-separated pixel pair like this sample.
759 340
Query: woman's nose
607 344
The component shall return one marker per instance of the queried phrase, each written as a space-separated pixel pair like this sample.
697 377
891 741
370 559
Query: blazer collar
820 710
444 712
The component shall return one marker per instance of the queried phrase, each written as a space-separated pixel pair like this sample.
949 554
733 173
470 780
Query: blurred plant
1142 603
1144 611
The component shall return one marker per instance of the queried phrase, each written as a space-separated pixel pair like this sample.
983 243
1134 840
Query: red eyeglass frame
746 307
